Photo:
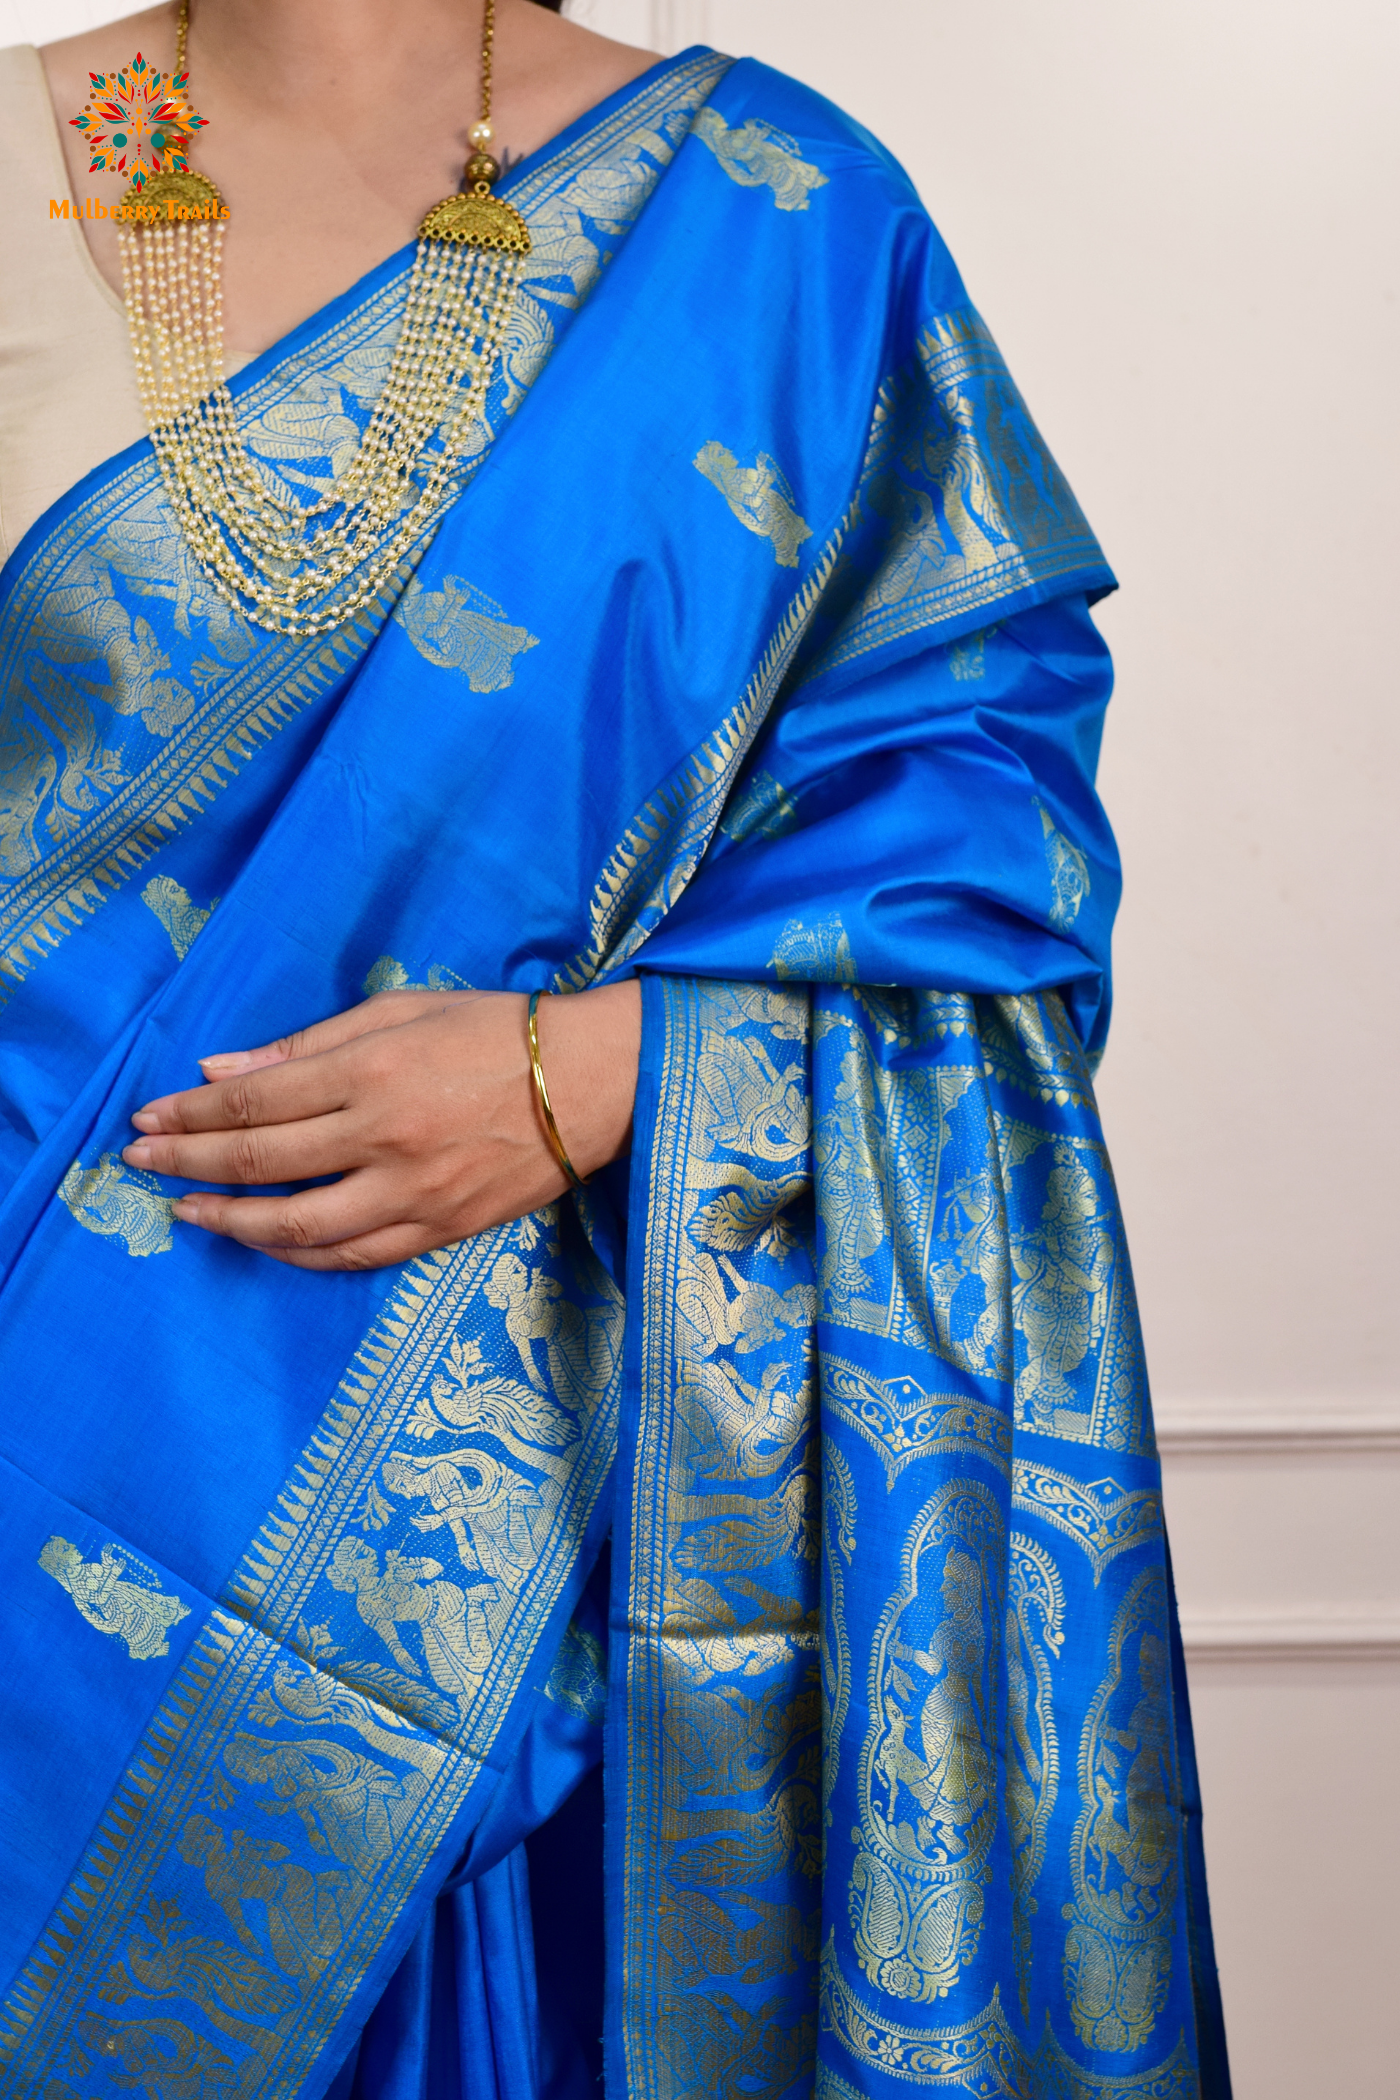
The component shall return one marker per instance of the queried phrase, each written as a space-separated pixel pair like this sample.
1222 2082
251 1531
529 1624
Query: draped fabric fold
753 655
892 1661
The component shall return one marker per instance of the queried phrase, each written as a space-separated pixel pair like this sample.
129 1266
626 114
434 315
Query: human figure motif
1064 1269
741 1428
461 629
86 622
159 2059
1144 1845
756 153
748 1103
974 1223
182 918
351 1807
484 1504
453 1624
760 498
305 1913
139 1613
853 1191
950 1774
755 1316
86 770
119 1202
28 770
580 1345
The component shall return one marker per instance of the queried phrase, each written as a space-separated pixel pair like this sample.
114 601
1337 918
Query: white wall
1180 225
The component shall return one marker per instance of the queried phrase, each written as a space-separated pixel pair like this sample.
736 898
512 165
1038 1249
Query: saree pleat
895 1650
753 656
459 2019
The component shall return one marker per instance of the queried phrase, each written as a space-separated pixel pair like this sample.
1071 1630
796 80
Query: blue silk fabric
752 655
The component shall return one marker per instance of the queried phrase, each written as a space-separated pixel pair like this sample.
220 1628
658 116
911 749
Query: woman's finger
310 1218
289 1093
372 1250
257 1156
384 1010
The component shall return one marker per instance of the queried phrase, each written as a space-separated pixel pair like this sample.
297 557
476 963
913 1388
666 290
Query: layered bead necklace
303 569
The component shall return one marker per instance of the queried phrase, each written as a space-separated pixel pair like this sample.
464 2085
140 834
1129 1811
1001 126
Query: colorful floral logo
138 121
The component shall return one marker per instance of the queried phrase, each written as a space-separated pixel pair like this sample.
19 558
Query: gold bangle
542 1096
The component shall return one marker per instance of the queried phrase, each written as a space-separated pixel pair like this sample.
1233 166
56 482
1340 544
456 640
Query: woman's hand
423 1104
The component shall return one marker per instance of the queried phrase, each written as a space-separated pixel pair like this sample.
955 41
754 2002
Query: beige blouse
68 397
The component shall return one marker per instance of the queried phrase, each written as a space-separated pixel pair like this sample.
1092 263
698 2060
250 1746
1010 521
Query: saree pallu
752 656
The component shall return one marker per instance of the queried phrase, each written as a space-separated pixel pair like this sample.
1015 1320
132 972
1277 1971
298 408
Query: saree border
662 847
256 1632
706 1678
981 2056
982 519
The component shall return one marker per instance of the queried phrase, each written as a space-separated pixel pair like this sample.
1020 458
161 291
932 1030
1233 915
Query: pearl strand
253 544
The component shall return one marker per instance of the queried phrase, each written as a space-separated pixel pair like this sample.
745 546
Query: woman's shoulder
768 130
773 104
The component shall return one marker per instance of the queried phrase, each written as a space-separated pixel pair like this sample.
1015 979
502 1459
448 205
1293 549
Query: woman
737 681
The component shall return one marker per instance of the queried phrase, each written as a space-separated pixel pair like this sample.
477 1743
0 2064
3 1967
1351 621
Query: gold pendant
194 192
479 220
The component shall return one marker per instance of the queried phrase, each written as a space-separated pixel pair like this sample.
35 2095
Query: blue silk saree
798 1475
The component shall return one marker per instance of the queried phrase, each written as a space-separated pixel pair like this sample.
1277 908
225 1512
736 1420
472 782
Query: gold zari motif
182 918
379 1629
1035 1632
817 948
971 506
1069 873
307 569
723 1692
915 1180
760 499
1103 1518
928 1777
981 2056
459 628
954 1782
1126 1850
906 1424
93 781
757 156
118 1594
119 1203
762 808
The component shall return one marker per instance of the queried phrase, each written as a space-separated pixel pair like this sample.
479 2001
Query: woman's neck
344 68
332 125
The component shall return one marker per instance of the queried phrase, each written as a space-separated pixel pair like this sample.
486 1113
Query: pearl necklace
305 569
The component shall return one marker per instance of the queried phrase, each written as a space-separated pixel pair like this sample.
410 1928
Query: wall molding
677 24
1242 1428
1344 1633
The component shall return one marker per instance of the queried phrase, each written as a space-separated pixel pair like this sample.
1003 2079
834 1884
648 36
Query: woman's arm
422 1103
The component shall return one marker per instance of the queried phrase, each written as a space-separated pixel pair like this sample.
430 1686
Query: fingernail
137 1155
186 1208
146 1119
228 1060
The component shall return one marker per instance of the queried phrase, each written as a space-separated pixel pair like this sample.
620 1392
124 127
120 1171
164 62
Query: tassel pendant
479 220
